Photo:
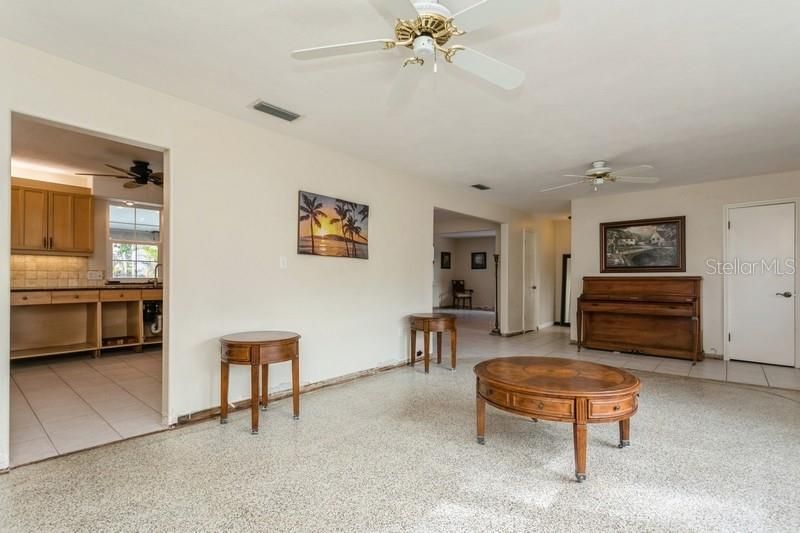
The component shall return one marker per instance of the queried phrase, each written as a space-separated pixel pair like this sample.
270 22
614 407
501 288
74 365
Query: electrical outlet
94 275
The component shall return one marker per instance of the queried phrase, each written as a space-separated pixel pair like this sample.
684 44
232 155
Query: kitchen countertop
103 288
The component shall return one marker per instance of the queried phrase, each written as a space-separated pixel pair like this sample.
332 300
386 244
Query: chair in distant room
462 297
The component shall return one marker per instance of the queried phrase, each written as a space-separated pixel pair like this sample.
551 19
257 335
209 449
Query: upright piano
649 315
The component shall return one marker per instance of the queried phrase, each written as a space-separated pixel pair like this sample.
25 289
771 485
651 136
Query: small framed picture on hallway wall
478 260
445 261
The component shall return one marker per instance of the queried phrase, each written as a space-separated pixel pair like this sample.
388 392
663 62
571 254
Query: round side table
259 349
428 323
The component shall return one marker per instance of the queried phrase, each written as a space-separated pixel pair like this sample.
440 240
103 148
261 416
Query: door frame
726 315
564 318
529 235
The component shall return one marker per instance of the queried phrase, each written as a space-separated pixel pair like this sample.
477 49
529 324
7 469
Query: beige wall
563 245
226 236
480 281
703 206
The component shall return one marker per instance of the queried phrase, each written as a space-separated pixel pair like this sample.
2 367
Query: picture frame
645 245
332 227
445 261
478 261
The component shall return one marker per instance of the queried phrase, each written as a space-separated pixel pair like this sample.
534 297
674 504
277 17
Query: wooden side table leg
254 398
413 345
427 354
296 387
480 405
438 347
624 433
223 393
264 386
579 440
453 346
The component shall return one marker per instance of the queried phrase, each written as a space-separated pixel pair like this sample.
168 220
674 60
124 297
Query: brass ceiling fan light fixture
427 28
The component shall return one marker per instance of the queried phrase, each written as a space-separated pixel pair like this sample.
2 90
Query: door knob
786 294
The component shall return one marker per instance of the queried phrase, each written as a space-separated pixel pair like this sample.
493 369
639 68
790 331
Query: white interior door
529 296
761 290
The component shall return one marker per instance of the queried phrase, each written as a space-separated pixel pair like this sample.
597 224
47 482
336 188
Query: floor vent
481 187
275 111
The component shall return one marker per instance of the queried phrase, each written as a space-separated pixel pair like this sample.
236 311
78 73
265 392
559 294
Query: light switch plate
284 262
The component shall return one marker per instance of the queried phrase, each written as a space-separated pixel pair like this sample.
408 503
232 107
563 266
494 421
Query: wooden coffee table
561 390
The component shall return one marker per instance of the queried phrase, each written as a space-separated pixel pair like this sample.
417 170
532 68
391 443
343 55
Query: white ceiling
702 89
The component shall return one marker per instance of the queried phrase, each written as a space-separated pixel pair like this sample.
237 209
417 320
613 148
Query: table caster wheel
580 477
481 440
296 417
263 407
534 419
623 444
452 370
223 420
254 432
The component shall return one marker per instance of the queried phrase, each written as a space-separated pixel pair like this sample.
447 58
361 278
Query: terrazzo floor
396 452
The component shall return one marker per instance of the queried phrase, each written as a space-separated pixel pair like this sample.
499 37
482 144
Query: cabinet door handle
24 297
616 407
541 405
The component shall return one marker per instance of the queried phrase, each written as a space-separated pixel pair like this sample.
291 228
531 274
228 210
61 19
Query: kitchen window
134 234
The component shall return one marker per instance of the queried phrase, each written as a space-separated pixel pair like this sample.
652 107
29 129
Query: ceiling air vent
481 187
275 111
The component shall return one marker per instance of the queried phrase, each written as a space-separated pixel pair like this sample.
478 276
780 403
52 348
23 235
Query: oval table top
427 316
259 337
556 376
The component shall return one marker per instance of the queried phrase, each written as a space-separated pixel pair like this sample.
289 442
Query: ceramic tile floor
554 341
61 405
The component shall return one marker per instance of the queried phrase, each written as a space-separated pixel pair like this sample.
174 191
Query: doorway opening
760 283
466 252
88 263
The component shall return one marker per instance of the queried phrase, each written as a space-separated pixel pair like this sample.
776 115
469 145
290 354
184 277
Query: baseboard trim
211 412
546 325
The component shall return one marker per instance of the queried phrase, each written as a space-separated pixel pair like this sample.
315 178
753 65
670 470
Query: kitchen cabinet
54 222
55 322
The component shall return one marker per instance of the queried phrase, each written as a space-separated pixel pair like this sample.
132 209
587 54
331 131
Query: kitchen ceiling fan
139 174
426 28
601 173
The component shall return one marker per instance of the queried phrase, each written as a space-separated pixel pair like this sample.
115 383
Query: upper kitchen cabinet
56 221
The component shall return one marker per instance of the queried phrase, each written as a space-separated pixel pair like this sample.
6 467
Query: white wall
703 206
563 245
480 281
231 193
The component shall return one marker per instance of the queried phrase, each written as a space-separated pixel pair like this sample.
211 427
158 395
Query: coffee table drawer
611 408
544 406
493 395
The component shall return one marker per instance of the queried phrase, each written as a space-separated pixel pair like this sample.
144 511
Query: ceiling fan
426 28
601 173
140 174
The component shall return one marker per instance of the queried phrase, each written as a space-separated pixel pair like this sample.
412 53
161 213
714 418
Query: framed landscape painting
332 227
649 245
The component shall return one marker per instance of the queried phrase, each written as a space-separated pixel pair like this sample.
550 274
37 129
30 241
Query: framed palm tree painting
332 227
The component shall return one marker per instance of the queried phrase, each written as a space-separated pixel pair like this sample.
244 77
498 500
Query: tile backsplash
47 272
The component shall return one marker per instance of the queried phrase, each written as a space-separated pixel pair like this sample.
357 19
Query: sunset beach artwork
332 227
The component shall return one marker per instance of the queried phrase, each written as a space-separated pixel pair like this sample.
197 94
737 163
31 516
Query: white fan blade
487 68
573 176
637 167
488 12
636 179
562 186
344 48
401 9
